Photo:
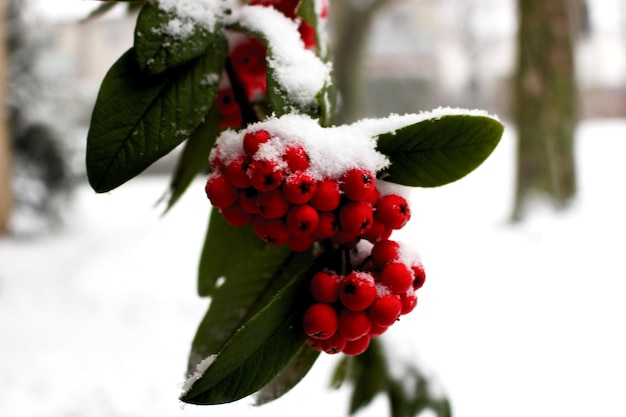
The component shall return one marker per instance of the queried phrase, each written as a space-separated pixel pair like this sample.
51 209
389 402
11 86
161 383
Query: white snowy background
514 320
96 320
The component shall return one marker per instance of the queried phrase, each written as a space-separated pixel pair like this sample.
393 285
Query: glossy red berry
384 252
265 175
272 204
247 200
219 191
393 210
397 277
320 321
358 184
375 233
356 347
354 324
252 141
325 287
327 226
235 215
419 275
327 196
273 232
237 172
335 344
302 220
299 188
356 217
296 158
377 330
409 302
385 310
357 291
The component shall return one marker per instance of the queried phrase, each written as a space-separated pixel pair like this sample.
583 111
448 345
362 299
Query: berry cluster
286 204
350 310
248 55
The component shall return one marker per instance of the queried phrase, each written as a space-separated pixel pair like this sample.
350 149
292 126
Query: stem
247 112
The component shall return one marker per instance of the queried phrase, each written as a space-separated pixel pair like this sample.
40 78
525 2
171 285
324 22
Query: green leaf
289 377
138 118
438 151
157 50
194 157
257 352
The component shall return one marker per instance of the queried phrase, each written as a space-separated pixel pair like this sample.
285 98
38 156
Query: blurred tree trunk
5 159
351 24
545 103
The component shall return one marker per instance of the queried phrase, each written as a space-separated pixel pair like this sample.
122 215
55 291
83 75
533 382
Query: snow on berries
299 184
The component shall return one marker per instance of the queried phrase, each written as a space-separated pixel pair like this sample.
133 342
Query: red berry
325 287
300 243
376 232
272 204
393 210
409 301
315 343
219 191
296 158
358 184
356 347
253 140
320 321
265 175
327 226
354 324
377 330
327 196
228 109
397 277
302 220
247 200
419 275
334 345
343 238
299 188
236 172
356 217
236 216
384 252
273 232
385 310
357 291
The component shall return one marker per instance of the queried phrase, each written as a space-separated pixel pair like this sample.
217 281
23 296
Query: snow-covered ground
523 320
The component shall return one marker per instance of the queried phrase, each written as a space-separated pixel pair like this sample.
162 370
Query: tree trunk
545 104
352 21
5 148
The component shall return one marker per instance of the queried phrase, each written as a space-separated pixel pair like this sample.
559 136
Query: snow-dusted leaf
289 377
138 117
164 41
438 150
257 351
194 157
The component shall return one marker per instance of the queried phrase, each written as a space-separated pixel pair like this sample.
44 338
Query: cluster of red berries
285 204
247 56
350 310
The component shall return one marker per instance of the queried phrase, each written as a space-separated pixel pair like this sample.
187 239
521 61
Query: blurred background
522 311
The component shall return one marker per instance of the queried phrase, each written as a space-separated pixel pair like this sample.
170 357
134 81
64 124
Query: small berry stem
248 115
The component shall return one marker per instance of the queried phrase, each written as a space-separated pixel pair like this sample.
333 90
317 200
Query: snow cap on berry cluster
332 151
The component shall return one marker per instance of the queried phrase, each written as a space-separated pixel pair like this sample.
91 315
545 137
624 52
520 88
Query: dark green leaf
157 50
138 118
257 352
194 157
289 377
370 376
438 151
